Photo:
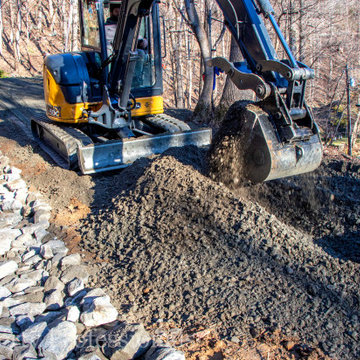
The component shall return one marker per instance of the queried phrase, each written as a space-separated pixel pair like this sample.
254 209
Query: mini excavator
104 104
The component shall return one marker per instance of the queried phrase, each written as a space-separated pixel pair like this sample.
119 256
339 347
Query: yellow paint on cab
74 113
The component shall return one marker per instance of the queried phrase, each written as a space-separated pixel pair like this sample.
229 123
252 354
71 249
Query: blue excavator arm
284 142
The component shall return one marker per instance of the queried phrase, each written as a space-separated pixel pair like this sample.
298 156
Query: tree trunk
203 108
69 26
173 69
75 28
356 127
178 66
190 69
18 30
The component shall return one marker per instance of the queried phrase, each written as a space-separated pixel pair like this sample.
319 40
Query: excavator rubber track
168 123
64 140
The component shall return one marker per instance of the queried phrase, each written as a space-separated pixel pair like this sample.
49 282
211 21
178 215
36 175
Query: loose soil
265 271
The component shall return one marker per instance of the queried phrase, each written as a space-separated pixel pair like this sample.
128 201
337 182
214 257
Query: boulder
54 300
74 286
29 309
53 283
7 268
75 271
34 333
126 341
6 238
73 259
162 352
99 312
59 341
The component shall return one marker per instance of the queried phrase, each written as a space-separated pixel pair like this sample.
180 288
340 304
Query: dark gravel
176 245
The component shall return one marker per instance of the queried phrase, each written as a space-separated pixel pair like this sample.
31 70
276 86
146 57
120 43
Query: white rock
6 352
15 171
73 259
9 220
100 312
29 309
56 246
16 185
21 195
46 252
40 233
34 290
54 300
53 283
7 196
6 336
4 292
26 351
6 238
160 352
7 268
95 355
41 216
35 275
40 204
33 333
56 259
19 284
33 260
73 313
11 205
24 241
10 301
91 295
3 189
23 269
30 229
74 286
128 341
28 255
59 341
12 177
76 271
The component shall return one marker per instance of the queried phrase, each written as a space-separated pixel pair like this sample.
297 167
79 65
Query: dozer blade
247 147
117 154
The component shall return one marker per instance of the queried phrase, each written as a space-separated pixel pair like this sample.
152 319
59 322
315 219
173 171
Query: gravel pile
177 245
324 203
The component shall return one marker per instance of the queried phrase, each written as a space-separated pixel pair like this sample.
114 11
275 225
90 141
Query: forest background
324 34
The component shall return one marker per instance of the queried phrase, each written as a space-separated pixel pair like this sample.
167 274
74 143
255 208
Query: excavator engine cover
248 147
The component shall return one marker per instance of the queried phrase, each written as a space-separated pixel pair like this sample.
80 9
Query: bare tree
204 105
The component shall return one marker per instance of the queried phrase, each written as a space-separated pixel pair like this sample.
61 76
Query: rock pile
46 309
194 252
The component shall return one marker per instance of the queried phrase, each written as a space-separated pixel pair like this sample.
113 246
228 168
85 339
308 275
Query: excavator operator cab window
90 26
111 14
144 74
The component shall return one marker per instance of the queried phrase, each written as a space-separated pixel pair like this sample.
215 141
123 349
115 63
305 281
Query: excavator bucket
248 148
